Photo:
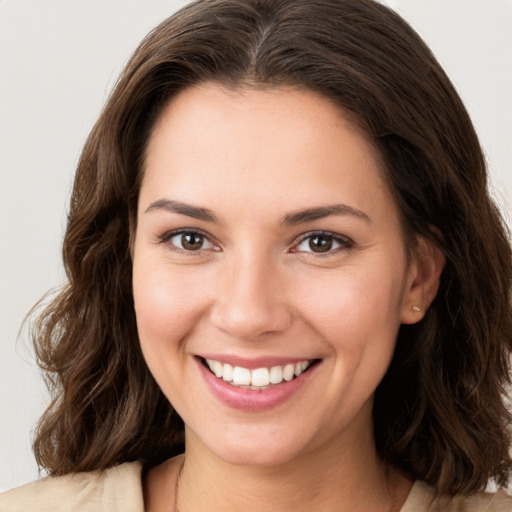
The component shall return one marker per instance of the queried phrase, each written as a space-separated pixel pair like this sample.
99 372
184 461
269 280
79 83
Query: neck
338 477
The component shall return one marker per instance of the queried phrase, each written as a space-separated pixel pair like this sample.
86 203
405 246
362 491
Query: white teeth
241 376
288 372
227 373
276 375
215 367
260 378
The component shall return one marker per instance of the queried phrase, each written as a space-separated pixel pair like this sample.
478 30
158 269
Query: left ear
422 281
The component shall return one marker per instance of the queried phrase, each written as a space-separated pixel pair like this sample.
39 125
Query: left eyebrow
320 212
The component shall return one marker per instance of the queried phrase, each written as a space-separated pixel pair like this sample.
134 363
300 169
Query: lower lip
253 400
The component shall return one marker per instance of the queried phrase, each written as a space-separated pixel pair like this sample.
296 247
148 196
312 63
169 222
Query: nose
251 300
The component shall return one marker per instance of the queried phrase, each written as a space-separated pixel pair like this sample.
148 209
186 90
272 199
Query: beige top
119 489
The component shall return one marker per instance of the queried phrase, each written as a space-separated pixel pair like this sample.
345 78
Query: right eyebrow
189 210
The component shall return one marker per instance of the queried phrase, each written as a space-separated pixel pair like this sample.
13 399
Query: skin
256 288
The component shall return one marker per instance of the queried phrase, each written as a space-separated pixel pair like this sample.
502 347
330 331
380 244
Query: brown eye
190 241
320 243
323 243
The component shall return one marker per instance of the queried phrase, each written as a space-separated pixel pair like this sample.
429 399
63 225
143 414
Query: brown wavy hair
439 412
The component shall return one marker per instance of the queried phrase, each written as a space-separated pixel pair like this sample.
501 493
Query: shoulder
481 502
422 499
114 490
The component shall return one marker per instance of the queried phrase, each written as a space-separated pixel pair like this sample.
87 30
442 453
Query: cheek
351 299
357 316
167 307
356 311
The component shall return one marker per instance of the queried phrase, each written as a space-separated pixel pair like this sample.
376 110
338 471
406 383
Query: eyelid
344 241
168 235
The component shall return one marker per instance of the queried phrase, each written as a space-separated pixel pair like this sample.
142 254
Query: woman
280 226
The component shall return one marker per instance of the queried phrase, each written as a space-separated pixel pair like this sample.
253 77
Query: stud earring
416 308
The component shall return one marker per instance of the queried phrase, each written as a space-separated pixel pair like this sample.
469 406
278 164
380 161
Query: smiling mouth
258 378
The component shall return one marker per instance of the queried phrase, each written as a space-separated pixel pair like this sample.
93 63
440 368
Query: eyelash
167 237
344 243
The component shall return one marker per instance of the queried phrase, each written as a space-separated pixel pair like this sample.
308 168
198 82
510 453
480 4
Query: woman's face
266 238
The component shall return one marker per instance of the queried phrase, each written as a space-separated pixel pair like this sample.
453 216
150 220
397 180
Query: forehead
253 146
200 109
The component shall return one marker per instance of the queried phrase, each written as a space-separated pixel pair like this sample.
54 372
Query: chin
263 448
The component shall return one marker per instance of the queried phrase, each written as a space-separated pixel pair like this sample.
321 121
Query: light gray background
59 59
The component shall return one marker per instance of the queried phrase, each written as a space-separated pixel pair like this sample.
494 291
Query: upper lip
254 362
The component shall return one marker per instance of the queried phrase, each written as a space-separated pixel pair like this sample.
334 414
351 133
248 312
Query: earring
416 308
